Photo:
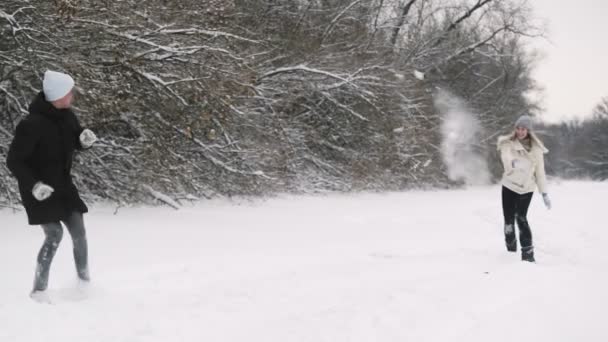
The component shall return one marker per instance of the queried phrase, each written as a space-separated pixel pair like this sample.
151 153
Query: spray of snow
460 132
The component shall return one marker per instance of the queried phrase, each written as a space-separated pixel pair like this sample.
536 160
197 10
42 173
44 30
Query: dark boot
527 254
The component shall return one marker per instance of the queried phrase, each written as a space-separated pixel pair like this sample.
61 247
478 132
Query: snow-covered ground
417 266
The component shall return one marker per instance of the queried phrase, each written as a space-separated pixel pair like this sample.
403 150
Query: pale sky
574 71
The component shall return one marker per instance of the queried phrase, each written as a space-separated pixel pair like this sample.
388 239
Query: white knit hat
56 85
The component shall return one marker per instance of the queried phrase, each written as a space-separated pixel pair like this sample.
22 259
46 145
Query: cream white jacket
523 170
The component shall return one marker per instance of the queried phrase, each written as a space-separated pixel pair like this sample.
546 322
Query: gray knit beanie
524 121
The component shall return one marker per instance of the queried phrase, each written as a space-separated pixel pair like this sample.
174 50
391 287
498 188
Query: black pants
53 235
515 208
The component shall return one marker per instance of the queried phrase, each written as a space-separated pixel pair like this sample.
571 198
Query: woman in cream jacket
522 155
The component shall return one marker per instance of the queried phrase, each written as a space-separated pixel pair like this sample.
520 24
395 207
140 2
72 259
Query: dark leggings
515 208
53 235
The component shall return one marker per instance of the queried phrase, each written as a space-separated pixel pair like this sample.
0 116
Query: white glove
87 138
42 191
547 201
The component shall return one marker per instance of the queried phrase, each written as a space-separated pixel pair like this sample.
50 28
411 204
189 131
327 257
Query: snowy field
417 266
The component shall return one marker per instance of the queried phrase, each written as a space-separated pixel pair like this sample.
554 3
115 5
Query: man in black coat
40 157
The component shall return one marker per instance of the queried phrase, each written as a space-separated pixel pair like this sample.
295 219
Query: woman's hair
513 135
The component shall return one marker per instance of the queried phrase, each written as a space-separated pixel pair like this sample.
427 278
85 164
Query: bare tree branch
466 15
401 22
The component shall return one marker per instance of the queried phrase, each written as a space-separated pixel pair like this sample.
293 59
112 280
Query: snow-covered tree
207 98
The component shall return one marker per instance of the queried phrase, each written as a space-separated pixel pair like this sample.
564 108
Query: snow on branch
162 197
9 17
14 98
94 22
154 79
333 23
470 48
207 149
304 68
466 15
404 12
7 133
186 50
190 31
346 108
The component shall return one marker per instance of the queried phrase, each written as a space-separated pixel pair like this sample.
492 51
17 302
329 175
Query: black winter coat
42 151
